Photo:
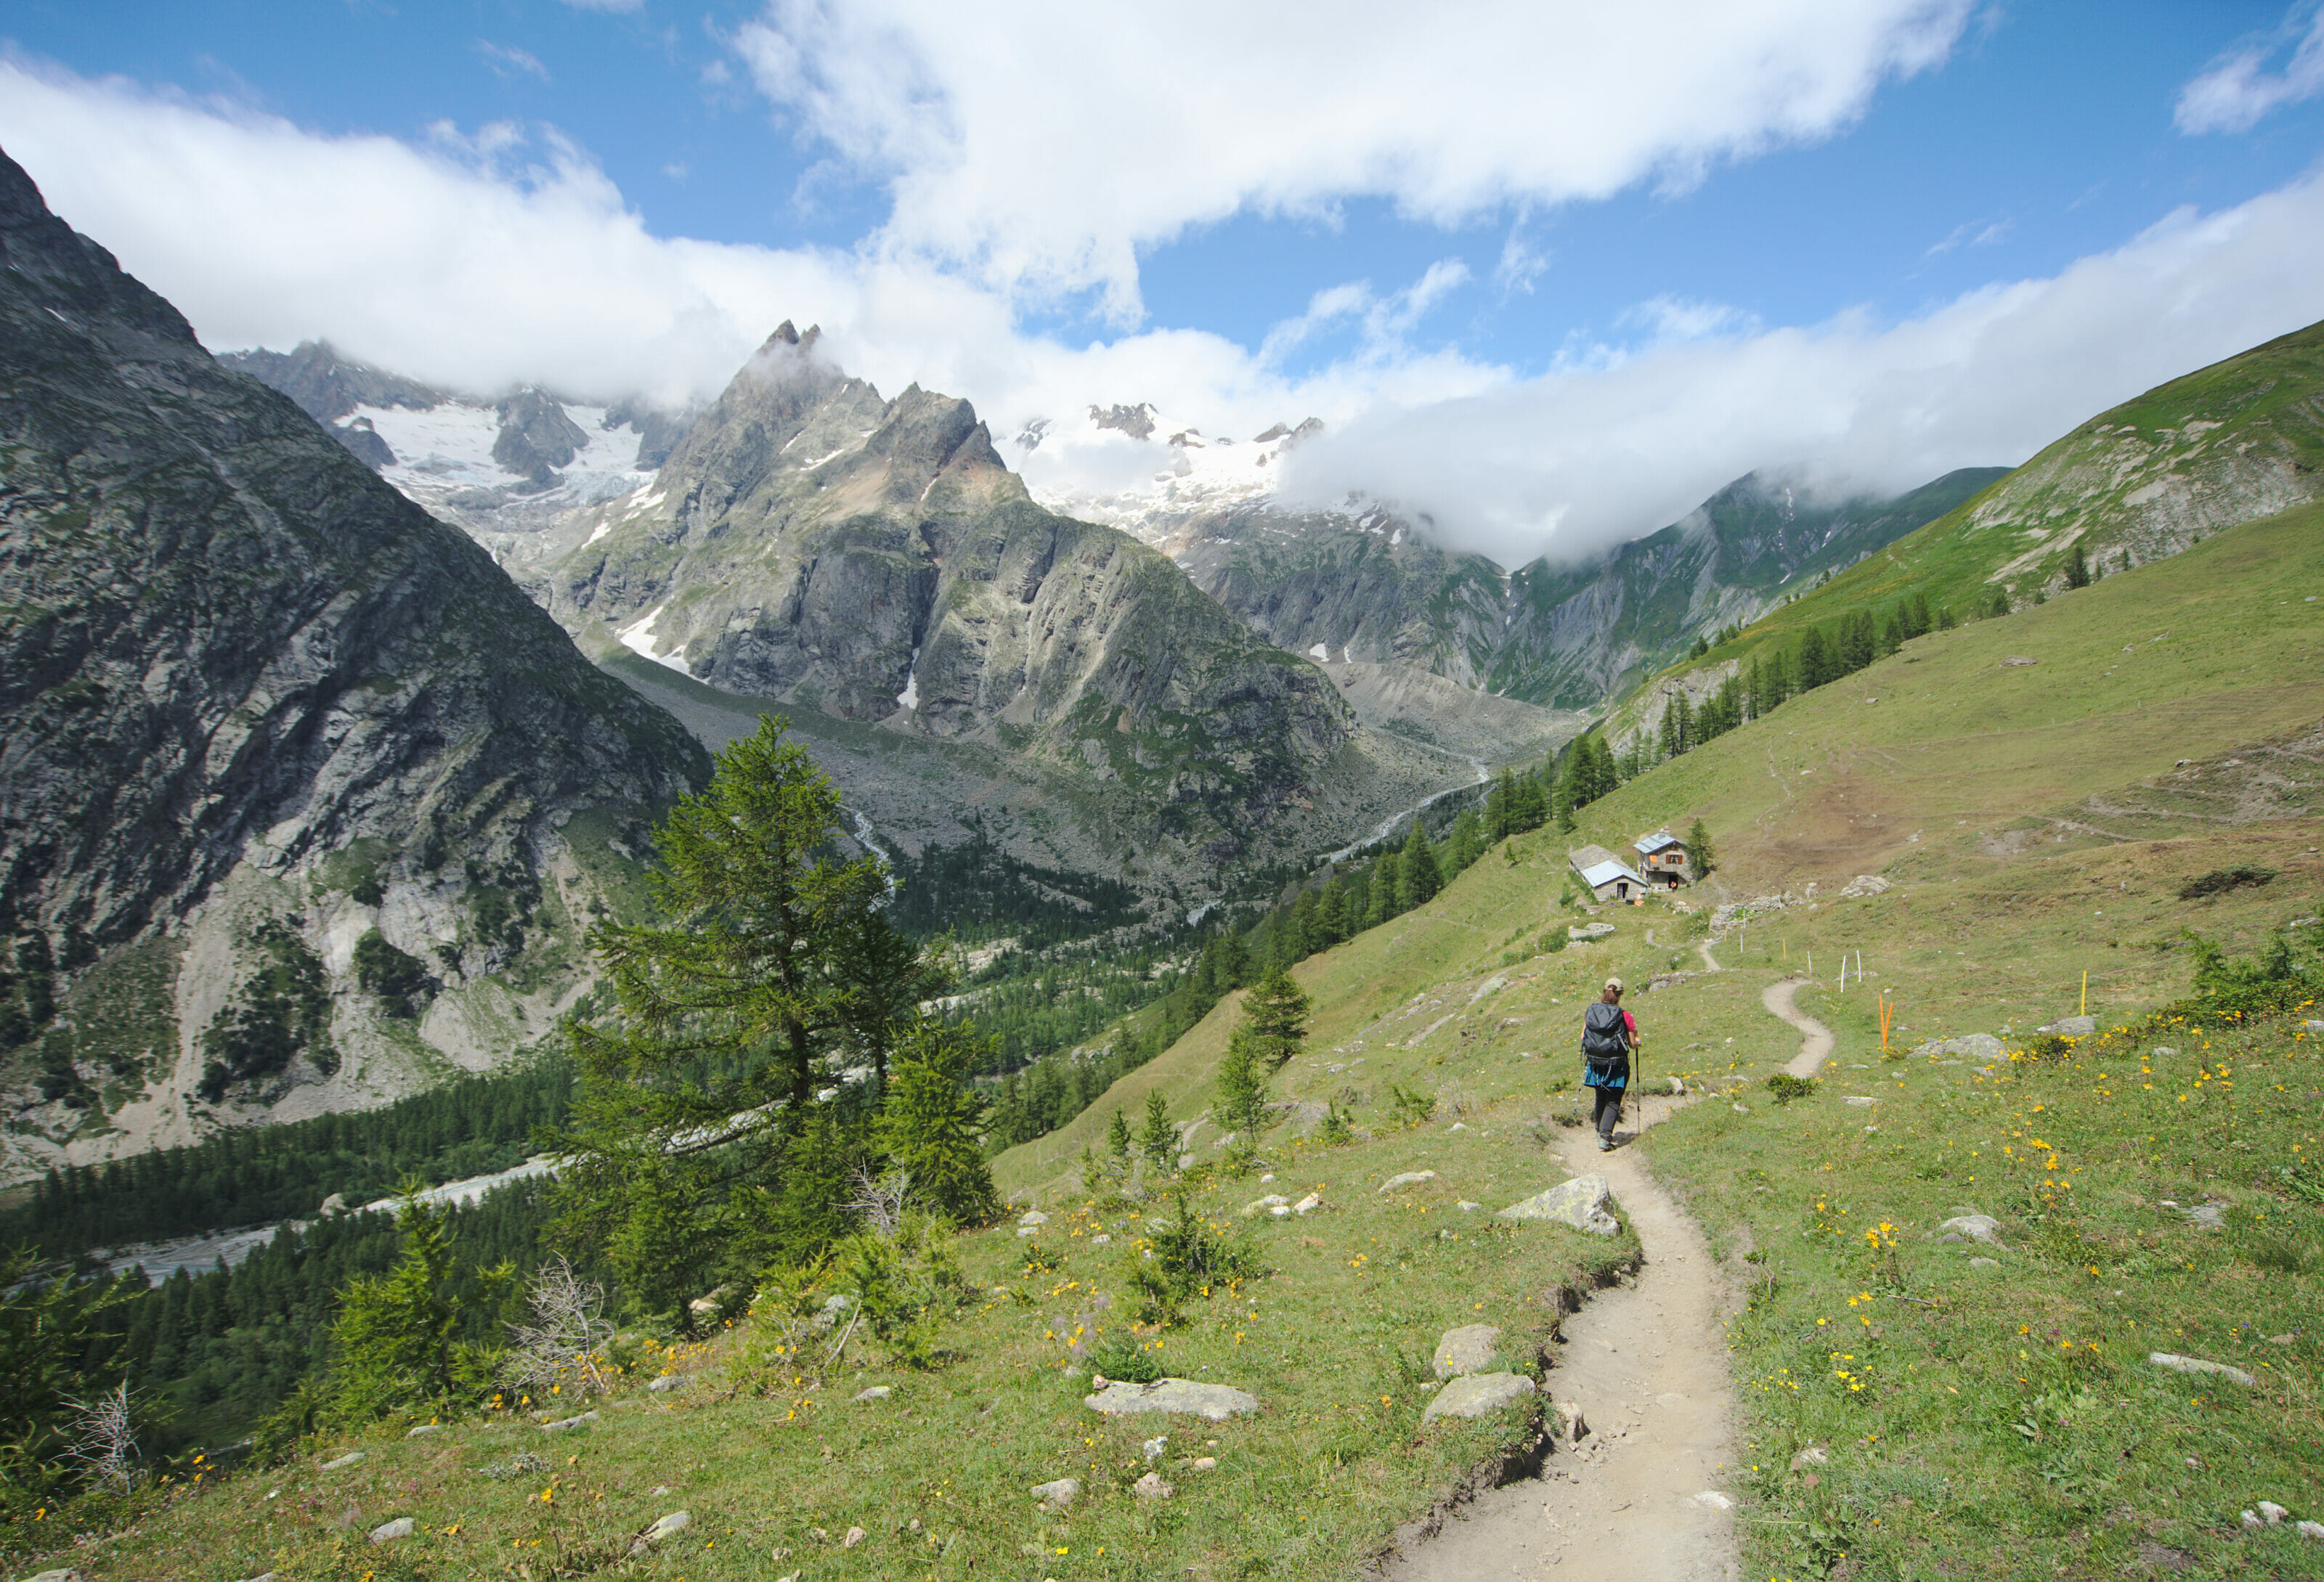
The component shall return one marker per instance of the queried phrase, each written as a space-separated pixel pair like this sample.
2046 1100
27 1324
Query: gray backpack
1604 1038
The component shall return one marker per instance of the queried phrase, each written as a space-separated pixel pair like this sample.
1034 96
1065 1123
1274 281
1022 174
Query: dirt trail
1646 1363
1815 1038
1647 1366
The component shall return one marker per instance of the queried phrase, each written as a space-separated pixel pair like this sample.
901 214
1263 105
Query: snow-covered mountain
513 470
1138 469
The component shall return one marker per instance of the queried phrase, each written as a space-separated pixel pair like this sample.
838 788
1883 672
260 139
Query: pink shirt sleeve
1631 1023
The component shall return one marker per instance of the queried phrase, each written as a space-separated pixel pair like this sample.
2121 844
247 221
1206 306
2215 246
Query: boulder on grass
1580 1203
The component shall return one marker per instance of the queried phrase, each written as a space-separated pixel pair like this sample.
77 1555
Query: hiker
1608 1034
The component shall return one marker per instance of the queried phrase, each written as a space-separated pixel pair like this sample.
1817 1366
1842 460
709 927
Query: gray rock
2313 1531
1978 1046
1121 1397
2070 1027
1261 1205
670 1382
669 1526
1588 931
834 1308
1862 1101
1409 1178
1984 1263
1712 1499
1058 1494
1152 1486
2208 1215
1976 1227
425 1428
1308 1204
1476 1395
67 1574
875 1393
853 1536
1580 1203
580 1420
2311 1026
1032 1217
2271 1512
389 1531
1467 1349
2196 1365
1814 1456
1573 1427
351 1459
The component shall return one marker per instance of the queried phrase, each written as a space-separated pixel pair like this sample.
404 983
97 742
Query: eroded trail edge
1646 1363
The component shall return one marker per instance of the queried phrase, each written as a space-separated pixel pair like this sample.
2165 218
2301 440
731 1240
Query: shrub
1786 1087
1409 1106
1120 1357
1190 1258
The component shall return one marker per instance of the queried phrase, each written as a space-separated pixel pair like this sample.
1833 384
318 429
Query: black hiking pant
1610 1110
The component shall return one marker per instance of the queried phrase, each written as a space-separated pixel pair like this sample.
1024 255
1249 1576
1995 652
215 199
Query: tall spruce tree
1275 1016
1418 877
696 1150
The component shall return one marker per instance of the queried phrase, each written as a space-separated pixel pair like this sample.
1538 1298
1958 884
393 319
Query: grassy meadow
2033 822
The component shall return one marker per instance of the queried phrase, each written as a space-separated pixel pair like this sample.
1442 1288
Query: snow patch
910 697
1321 654
639 639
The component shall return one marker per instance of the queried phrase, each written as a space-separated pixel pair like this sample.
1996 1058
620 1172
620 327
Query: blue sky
1036 205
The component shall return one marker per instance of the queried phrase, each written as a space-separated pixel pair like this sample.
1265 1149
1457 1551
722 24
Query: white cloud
2237 90
1621 443
1041 146
475 261
503 254
505 58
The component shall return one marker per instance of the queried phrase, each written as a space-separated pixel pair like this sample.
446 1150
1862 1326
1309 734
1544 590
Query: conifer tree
1239 1101
397 1335
1117 1135
697 1106
1418 878
1699 852
1158 1139
931 1126
2077 568
1275 1016
1381 904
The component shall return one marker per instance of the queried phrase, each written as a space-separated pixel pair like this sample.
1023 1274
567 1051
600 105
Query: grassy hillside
2033 822
2239 440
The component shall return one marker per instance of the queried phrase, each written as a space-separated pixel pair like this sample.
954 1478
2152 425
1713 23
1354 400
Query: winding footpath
1646 1364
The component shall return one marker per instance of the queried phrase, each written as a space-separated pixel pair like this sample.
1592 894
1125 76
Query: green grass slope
2033 824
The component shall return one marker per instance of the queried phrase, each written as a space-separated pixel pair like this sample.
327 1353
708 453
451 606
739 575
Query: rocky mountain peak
260 709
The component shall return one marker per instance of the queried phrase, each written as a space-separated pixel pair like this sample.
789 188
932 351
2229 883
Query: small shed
1662 858
1608 877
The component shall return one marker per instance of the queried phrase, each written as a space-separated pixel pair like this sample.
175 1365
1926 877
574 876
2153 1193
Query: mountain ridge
260 710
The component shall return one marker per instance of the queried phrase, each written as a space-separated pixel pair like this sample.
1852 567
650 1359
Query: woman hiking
1608 1035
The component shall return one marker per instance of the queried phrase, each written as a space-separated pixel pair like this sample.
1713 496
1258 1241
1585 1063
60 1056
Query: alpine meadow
810 794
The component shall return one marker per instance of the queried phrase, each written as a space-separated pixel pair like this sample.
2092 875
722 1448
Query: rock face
1374 589
813 545
256 698
1580 1203
1120 1397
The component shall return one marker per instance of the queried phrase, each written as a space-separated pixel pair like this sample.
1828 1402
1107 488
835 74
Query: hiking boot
1605 1144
